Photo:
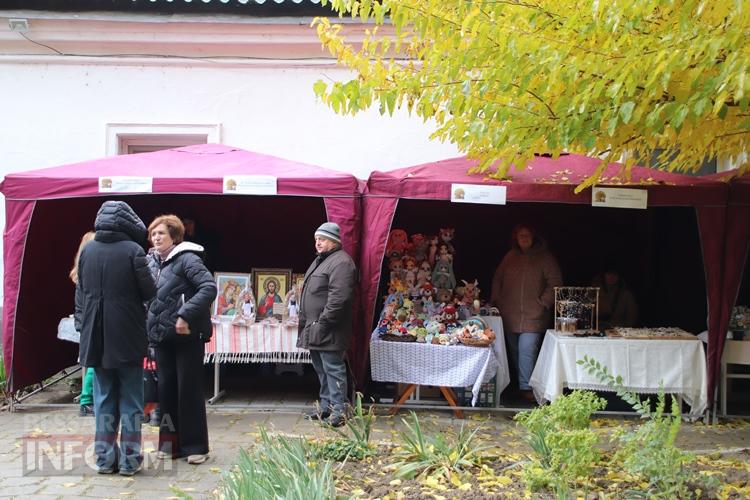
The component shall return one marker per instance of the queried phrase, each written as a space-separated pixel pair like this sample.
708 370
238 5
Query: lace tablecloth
679 366
446 366
257 343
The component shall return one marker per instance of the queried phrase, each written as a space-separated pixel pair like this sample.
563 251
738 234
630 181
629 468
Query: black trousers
183 429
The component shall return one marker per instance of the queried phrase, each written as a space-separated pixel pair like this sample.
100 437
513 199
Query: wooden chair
736 352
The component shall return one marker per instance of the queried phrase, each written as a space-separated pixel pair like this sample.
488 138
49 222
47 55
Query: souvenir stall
665 231
254 214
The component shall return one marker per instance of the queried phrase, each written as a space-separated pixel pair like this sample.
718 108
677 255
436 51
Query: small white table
677 366
257 343
736 352
443 366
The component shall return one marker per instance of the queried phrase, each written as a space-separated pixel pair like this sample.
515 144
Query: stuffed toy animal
397 244
471 292
419 246
444 296
449 317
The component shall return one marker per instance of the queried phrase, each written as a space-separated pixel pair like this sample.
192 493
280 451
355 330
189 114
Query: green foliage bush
649 451
564 445
354 440
279 468
420 454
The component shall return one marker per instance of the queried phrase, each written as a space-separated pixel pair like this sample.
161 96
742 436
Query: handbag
66 330
150 381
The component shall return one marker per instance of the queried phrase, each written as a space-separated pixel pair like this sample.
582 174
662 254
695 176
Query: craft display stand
255 343
415 364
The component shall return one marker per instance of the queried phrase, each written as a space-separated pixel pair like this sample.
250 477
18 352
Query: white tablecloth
678 365
257 343
446 366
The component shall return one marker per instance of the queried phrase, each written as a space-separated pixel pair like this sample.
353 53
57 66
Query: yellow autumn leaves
504 80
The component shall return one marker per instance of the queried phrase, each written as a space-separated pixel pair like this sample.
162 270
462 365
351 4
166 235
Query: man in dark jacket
325 321
114 282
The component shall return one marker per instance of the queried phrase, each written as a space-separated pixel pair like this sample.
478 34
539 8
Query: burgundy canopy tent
48 210
661 251
736 252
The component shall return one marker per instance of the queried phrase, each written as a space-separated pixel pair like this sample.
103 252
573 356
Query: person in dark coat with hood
325 321
114 283
179 323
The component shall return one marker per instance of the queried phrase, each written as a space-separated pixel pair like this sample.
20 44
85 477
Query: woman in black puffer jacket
179 323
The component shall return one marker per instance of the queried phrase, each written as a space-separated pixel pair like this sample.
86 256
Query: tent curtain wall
712 222
238 232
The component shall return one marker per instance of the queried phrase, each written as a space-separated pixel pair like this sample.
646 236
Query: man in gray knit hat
325 321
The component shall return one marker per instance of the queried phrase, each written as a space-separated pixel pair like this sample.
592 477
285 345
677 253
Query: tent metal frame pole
18 402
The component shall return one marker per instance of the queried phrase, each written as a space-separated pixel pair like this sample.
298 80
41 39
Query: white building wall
55 109
59 113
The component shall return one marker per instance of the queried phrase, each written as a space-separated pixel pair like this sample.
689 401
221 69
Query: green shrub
278 468
420 454
649 451
354 439
564 447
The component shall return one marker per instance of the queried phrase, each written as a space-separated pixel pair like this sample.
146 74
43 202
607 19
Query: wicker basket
389 337
475 342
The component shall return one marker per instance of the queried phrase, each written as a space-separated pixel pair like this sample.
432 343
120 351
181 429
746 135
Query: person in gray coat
325 321
114 283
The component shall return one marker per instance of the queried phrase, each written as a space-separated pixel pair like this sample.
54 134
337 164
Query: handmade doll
291 303
410 268
424 274
245 313
446 236
442 275
444 254
396 266
432 254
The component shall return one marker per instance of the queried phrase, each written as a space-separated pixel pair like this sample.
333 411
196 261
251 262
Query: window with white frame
130 138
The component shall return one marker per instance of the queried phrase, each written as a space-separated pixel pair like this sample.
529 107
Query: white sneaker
197 459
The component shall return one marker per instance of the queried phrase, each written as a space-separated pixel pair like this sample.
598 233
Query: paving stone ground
57 432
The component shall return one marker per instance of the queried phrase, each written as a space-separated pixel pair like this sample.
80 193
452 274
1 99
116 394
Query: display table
677 366
258 343
443 366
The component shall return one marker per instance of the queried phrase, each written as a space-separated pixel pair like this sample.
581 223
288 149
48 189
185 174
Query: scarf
163 255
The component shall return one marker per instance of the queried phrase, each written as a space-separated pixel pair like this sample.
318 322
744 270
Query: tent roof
546 180
739 192
192 169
